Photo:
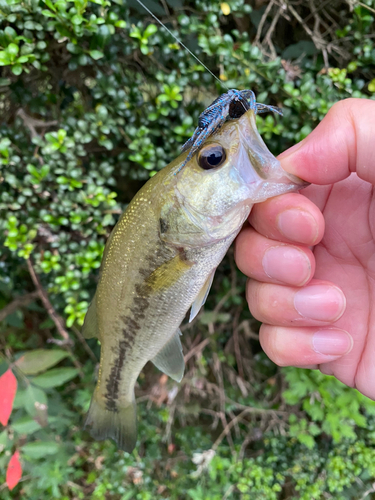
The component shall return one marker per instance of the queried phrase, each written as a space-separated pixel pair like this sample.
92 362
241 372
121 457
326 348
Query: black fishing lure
233 104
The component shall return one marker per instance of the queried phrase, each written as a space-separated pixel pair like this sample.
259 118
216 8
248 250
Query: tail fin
119 424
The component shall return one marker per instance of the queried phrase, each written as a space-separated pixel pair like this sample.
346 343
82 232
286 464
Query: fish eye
211 156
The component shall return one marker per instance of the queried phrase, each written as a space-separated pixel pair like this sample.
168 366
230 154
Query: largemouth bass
160 260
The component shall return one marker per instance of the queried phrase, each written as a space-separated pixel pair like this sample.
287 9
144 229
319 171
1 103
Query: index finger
341 144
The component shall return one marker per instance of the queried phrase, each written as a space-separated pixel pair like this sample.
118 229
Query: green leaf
22 59
38 360
25 425
47 13
61 134
120 24
13 49
50 5
77 19
4 58
371 85
307 440
3 440
40 449
55 377
34 397
29 25
150 30
144 49
17 69
10 33
96 54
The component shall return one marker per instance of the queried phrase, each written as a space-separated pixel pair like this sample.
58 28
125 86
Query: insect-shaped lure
233 104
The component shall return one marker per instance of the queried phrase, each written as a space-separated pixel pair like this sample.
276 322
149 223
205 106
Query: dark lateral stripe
132 325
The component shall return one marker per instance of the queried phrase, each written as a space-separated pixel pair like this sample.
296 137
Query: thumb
342 143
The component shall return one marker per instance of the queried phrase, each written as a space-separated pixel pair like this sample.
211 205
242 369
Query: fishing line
179 41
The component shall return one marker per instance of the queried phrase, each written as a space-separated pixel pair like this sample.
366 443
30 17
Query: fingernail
320 302
298 225
332 342
286 264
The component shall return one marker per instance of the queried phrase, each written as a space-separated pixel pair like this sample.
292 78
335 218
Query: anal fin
90 327
202 296
170 359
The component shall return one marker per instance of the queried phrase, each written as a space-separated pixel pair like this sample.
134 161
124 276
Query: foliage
95 98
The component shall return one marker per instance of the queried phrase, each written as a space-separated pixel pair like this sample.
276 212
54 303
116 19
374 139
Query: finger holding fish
291 218
270 261
318 303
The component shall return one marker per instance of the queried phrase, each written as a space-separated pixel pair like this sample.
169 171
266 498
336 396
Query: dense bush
95 97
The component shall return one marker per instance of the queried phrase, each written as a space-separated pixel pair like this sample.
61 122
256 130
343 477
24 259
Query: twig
59 323
319 42
229 491
259 411
47 304
262 21
314 11
31 123
267 38
228 427
236 343
367 493
168 427
214 414
198 348
22 301
219 377
85 345
366 7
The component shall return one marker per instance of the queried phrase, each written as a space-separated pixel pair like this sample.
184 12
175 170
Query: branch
31 123
366 6
197 349
59 323
22 301
262 21
228 427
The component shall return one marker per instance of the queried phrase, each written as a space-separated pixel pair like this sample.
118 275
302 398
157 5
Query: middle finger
318 303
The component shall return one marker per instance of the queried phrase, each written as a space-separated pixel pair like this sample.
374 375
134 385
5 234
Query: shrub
95 98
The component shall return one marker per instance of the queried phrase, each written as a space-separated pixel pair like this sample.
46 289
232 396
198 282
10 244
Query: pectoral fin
202 296
170 359
90 325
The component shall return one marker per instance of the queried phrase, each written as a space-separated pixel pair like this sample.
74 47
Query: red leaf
14 471
8 389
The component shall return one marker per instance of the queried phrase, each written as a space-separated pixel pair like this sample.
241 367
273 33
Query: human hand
318 306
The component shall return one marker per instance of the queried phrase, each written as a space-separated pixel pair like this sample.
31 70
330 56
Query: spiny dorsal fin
170 359
202 296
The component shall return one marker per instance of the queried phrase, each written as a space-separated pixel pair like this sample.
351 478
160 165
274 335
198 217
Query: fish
160 260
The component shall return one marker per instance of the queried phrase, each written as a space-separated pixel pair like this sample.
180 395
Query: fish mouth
258 168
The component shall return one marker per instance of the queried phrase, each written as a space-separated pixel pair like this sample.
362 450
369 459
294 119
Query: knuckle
273 345
258 300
